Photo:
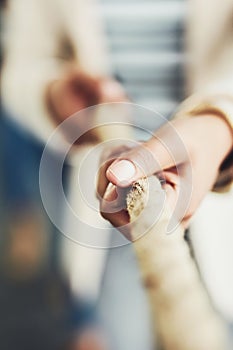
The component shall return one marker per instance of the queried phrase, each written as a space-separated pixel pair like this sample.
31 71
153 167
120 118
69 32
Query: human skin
90 339
207 141
76 90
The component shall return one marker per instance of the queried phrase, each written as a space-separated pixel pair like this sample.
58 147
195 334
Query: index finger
102 180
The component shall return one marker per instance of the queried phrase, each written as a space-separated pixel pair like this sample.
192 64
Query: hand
187 159
90 339
77 90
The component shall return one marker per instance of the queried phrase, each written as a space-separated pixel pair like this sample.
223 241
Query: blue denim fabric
20 156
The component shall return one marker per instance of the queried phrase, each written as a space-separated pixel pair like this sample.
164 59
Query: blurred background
57 58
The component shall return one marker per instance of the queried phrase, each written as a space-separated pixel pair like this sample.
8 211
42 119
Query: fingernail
123 170
110 190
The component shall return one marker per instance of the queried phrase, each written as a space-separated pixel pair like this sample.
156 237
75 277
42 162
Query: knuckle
143 159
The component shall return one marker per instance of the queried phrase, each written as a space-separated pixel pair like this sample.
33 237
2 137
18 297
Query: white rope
184 316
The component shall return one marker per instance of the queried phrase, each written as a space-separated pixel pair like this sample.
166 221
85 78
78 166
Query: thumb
145 160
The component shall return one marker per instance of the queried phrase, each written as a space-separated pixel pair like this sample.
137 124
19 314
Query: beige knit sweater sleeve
206 103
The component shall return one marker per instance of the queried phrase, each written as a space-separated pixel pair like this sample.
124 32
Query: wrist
218 134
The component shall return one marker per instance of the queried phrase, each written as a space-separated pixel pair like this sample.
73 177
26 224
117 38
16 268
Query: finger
102 180
144 160
107 158
114 199
171 195
86 87
119 219
111 91
112 206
